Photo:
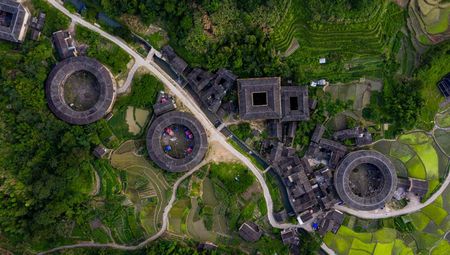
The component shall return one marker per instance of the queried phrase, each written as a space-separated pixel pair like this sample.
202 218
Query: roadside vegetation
105 51
132 112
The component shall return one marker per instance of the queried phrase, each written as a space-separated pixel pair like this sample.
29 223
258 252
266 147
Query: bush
235 177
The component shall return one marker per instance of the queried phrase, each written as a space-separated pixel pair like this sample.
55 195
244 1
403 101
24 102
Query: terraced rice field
382 242
353 50
419 154
151 194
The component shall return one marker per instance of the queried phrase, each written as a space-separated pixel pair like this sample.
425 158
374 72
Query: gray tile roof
177 63
295 103
156 151
54 90
64 44
271 86
249 231
16 18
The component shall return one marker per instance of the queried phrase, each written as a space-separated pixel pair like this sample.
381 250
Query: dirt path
218 153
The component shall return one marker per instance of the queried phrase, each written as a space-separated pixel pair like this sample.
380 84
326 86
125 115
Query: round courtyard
176 141
365 180
80 90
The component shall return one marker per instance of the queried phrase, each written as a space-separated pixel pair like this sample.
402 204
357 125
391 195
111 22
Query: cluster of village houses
308 180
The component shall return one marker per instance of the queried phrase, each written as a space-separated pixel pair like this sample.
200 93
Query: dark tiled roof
403 183
199 79
318 133
419 187
100 151
342 181
64 44
206 246
274 129
177 63
54 88
290 237
444 85
164 103
331 222
332 145
272 108
16 30
213 97
165 161
249 231
225 78
295 103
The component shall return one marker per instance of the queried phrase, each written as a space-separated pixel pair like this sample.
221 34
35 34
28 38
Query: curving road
414 204
189 102
145 242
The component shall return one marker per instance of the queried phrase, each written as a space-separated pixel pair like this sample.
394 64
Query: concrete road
185 98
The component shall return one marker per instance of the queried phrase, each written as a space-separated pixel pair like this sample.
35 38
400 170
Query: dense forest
41 158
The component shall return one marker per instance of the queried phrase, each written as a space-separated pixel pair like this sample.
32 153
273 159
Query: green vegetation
105 51
241 131
58 21
235 177
326 107
143 95
399 104
417 155
41 157
434 67
355 42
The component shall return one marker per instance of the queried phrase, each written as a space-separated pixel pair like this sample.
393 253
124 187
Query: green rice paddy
356 49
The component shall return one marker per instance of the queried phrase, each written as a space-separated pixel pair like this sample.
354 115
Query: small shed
250 232
100 151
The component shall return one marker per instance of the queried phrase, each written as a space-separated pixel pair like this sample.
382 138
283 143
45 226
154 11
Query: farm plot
419 154
382 242
357 91
352 51
148 188
442 138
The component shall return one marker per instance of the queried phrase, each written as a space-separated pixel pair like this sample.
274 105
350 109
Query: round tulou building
80 90
176 141
365 180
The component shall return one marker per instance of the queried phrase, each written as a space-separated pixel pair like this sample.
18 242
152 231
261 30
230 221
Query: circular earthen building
365 180
80 90
176 141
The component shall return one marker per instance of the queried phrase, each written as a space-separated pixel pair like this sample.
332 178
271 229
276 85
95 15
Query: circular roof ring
80 90
179 131
365 180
